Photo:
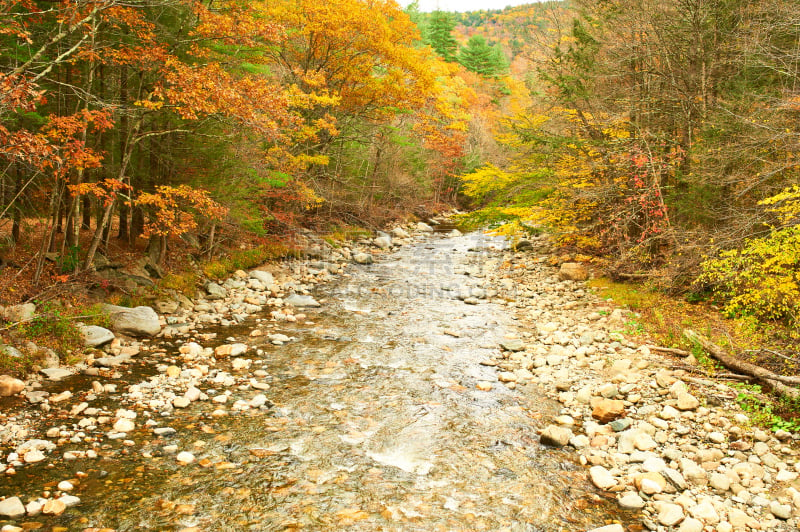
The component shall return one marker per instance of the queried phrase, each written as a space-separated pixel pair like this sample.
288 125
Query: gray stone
608 528
112 362
513 344
94 336
10 351
12 508
669 514
263 277
56 374
674 478
705 512
138 321
69 500
166 306
296 300
422 227
690 524
399 232
687 401
720 482
215 291
618 425
781 511
383 242
555 436
37 396
363 258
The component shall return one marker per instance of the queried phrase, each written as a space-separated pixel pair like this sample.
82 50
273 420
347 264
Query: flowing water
375 424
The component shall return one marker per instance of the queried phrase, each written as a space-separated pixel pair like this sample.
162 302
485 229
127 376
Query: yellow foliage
762 278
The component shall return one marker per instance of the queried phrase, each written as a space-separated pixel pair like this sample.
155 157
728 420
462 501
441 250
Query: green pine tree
440 35
482 58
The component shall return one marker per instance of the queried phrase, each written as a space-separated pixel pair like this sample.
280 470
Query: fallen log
670 350
777 383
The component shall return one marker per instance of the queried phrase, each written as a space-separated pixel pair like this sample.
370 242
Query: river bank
411 393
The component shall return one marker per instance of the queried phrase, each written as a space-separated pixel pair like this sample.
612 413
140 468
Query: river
373 421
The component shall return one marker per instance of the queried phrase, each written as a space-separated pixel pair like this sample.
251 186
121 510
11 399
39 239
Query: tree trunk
776 382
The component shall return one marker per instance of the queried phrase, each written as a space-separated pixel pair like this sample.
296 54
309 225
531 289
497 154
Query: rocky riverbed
411 382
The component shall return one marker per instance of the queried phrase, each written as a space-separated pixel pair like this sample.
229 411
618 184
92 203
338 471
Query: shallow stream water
376 424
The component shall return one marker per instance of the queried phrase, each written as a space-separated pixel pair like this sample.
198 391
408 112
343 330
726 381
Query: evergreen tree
481 57
440 35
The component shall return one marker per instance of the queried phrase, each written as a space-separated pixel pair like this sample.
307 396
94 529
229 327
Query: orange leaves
56 148
106 190
235 24
175 210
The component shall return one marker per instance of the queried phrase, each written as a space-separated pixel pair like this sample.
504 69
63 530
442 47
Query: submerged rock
363 258
297 300
12 508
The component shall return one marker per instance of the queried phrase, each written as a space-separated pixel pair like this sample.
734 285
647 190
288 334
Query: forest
657 140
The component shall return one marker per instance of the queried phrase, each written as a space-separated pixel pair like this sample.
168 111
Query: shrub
762 278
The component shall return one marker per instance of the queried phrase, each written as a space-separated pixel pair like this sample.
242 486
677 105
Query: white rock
669 514
602 478
631 501
690 524
781 511
12 508
124 425
185 457
705 512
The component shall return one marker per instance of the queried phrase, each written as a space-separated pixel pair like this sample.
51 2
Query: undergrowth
244 259
53 327
663 318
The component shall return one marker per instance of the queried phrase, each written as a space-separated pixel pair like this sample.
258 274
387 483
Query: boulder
15 313
166 306
399 232
263 277
296 300
422 227
383 242
573 271
215 291
94 336
10 386
10 351
138 321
